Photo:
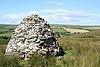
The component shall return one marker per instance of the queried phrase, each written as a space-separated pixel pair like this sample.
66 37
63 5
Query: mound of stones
34 34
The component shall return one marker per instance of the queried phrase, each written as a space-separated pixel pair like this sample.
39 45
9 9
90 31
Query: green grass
82 50
4 41
80 53
57 25
59 30
6 34
6 30
91 34
91 28
6 26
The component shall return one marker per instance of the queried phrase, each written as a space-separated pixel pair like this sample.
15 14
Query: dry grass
81 52
71 30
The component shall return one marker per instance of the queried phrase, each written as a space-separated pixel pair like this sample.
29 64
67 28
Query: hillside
6 30
82 49
92 34
72 31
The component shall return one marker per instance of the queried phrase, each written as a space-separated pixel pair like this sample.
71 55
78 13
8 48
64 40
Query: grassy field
92 34
7 29
76 30
82 50
91 28
59 30
6 34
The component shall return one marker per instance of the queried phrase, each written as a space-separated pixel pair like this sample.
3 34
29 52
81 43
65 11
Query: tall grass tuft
8 61
80 52
37 60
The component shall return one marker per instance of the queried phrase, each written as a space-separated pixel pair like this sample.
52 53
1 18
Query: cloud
54 3
56 16
13 18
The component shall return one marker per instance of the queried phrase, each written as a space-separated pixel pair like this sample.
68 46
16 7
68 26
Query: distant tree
58 34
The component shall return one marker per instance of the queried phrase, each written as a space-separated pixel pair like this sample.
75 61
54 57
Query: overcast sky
72 12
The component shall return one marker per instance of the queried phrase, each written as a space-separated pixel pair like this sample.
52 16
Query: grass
6 34
76 30
82 50
4 41
7 61
81 53
95 27
91 34
57 25
59 30
36 60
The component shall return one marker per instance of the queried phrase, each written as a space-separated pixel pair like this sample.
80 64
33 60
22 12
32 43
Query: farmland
75 30
82 49
6 30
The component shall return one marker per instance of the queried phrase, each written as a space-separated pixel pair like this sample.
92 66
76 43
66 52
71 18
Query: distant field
6 30
82 50
57 25
6 34
91 34
59 30
91 28
82 27
76 30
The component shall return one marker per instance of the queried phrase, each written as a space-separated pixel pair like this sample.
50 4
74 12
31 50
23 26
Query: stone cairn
33 34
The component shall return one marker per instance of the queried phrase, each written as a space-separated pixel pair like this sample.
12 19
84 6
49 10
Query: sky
70 12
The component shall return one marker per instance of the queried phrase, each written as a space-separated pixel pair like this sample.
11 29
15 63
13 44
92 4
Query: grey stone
33 34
